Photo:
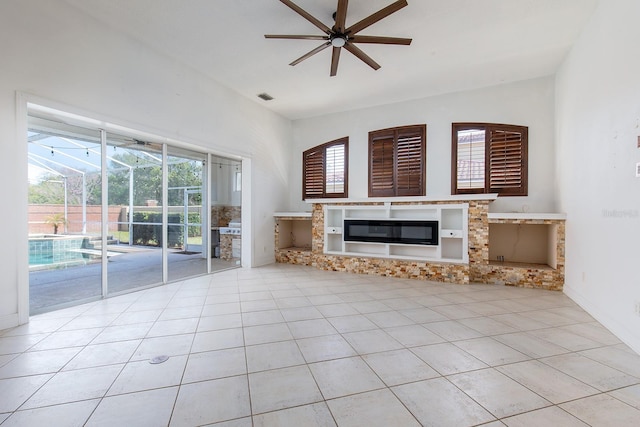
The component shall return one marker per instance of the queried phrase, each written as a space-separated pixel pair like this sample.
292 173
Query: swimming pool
53 250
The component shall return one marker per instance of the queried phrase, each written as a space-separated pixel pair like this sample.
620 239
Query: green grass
123 237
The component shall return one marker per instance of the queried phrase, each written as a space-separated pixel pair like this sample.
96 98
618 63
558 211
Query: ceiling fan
340 36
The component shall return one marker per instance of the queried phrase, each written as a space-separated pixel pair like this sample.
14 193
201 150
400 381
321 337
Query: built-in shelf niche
294 233
453 231
526 244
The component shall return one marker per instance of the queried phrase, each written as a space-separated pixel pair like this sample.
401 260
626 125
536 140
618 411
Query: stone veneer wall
221 215
440 272
226 246
479 269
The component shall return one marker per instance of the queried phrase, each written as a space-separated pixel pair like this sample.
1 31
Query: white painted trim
22 245
26 102
10 321
247 252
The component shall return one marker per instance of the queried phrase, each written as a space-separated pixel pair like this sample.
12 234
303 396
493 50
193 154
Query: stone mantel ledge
416 199
527 216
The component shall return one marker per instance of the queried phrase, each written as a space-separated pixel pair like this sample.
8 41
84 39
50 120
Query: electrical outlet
637 308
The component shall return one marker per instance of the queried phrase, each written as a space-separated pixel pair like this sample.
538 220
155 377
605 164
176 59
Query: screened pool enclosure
110 212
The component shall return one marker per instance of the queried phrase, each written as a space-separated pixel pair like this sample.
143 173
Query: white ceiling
457 45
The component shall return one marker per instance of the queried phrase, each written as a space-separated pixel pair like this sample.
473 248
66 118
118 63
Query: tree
56 220
48 191
147 182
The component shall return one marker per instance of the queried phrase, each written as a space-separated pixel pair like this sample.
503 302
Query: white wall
598 118
529 103
54 52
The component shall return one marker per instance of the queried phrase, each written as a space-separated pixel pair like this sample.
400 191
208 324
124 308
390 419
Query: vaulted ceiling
457 45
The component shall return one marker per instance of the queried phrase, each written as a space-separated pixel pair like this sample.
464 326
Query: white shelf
453 231
517 215
450 234
292 214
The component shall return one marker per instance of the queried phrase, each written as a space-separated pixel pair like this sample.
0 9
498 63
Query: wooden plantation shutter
498 151
397 162
313 174
409 163
381 166
507 168
324 170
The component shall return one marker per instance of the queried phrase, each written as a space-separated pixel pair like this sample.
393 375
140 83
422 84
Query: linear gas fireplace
391 231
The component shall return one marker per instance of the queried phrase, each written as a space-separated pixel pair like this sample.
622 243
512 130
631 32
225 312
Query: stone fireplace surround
545 274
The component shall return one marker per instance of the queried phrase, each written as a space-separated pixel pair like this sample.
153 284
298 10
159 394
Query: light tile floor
286 345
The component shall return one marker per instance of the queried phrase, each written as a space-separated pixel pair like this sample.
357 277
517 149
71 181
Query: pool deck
128 269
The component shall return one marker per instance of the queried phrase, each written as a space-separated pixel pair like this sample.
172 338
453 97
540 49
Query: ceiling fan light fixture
338 40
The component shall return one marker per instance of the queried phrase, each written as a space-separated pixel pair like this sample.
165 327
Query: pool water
47 259
55 250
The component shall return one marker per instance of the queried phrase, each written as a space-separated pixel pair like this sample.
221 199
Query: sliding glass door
64 214
135 213
186 244
167 214
226 212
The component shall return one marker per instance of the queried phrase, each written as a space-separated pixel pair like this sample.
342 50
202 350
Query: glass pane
226 213
64 214
187 251
334 169
471 160
135 213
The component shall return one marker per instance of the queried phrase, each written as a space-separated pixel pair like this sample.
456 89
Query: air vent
265 96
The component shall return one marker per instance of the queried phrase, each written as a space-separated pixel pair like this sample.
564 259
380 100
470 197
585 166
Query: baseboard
264 260
10 321
623 333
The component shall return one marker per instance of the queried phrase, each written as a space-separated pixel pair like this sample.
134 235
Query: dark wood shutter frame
506 159
314 164
397 162
381 169
313 173
410 162
507 172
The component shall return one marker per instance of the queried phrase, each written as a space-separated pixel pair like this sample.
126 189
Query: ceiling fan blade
311 53
341 15
362 56
295 37
380 40
372 19
335 57
306 15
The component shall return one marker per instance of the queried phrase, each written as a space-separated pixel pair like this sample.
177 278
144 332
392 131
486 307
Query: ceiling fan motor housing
340 36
